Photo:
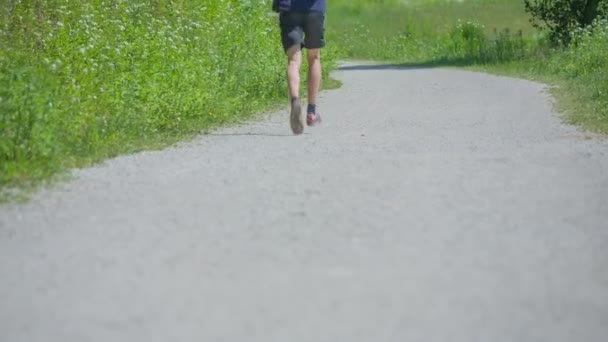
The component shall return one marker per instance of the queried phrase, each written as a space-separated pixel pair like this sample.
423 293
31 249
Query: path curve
432 205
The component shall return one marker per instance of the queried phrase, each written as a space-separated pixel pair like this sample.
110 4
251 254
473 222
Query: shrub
585 64
562 17
468 39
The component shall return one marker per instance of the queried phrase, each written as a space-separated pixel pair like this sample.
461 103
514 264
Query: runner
302 25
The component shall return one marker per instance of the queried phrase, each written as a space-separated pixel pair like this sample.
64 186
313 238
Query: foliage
562 17
585 65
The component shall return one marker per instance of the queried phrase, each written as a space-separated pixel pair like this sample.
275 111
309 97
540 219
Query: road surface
431 205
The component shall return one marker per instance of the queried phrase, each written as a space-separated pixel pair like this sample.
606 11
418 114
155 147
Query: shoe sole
296 120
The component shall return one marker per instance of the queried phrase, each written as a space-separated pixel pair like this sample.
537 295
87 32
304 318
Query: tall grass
84 80
584 67
493 34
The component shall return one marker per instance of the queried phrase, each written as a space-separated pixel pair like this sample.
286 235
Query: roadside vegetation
492 35
82 81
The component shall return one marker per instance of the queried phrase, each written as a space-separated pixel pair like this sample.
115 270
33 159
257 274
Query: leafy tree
562 17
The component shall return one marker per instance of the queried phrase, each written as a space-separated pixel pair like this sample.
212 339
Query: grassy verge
82 81
490 35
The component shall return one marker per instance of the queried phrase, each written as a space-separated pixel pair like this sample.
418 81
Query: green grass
489 35
82 81
418 30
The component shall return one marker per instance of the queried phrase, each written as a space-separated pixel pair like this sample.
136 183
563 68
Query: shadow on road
244 134
409 66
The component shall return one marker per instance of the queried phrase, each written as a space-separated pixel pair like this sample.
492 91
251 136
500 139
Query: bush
562 17
468 40
470 44
587 55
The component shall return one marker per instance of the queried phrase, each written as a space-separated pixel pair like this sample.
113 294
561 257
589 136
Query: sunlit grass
81 81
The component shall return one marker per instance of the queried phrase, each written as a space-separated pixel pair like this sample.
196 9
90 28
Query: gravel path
431 205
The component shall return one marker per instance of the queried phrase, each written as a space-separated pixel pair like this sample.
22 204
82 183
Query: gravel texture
430 205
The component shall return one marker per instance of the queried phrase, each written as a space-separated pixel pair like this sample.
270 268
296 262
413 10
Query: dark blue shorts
304 28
